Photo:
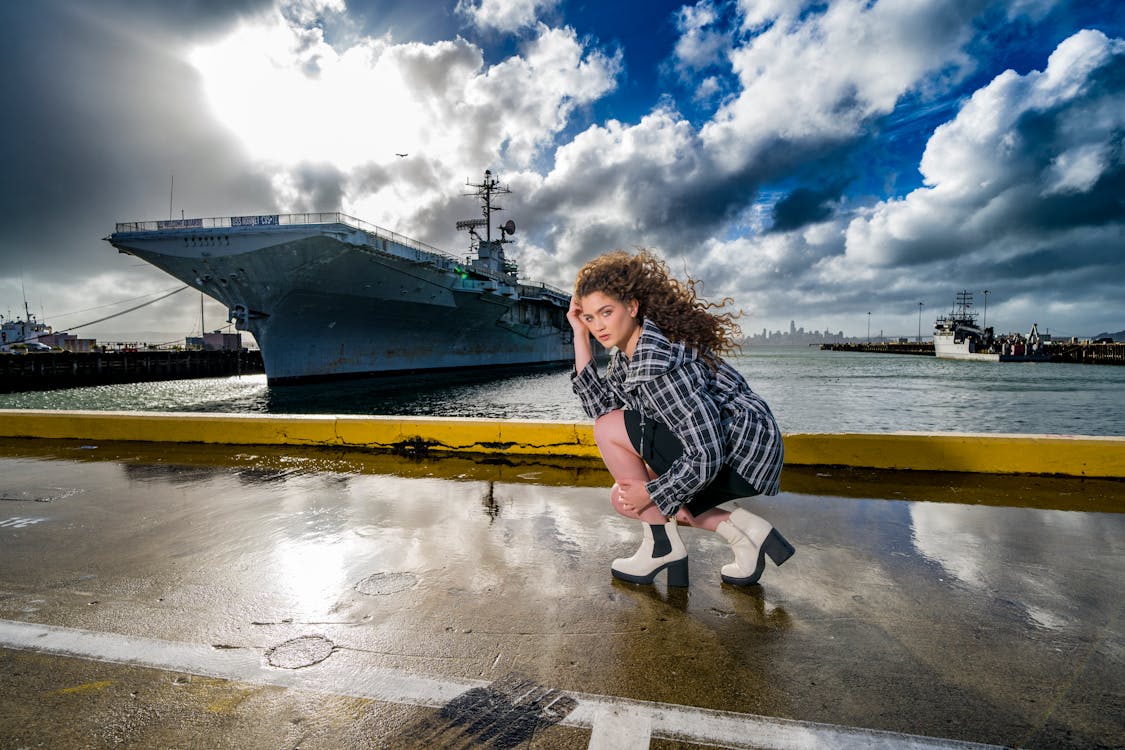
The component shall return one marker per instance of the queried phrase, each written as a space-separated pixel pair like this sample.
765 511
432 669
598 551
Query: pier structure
924 348
48 370
1085 352
175 580
1089 353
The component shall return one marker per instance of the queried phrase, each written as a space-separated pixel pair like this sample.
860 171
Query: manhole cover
381 584
300 652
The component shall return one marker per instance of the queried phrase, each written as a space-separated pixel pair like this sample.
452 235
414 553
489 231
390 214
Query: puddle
38 494
20 522
382 584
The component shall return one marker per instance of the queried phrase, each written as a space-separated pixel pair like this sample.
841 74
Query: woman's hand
684 516
583 352
634 496
574 316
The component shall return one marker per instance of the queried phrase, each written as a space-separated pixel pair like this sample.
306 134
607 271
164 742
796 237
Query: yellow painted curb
963 452
409 434
1069 455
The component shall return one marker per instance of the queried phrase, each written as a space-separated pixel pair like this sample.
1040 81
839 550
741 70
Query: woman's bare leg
709 519
626 465
623 463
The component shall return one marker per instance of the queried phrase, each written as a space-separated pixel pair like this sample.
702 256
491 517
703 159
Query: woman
678 428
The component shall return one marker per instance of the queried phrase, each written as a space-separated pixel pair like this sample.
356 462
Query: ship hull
945 347
328 301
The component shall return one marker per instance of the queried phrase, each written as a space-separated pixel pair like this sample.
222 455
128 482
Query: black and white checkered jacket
716 416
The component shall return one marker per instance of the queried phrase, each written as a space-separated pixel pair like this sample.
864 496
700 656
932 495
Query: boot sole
677 574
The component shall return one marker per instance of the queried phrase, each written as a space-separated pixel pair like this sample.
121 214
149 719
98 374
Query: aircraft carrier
328 296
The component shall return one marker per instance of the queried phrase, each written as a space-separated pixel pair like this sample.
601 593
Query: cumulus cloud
1026 158
504 15
360 105
1021 190
758 13
823 76
703 42
808 81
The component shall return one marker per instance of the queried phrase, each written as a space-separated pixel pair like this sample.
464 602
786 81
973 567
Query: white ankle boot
660 548
752 538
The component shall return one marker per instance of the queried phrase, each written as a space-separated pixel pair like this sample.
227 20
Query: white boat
957 336
23 335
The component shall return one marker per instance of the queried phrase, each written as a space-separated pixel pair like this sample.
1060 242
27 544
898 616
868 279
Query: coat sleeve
683 404
594 392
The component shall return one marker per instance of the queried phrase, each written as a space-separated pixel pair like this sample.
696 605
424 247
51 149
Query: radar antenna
485 190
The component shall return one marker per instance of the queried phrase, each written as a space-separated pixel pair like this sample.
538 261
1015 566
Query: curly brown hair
671 304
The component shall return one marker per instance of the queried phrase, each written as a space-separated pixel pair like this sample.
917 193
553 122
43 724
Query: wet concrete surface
209 597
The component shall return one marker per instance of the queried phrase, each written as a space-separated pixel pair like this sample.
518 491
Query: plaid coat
716 416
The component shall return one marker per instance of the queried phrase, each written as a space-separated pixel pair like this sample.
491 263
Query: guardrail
308 219
284 220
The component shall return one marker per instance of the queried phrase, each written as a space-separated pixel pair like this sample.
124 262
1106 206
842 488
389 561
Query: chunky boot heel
777 547
660 549
678 573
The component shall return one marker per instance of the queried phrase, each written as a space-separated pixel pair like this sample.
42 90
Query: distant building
216 341
69 342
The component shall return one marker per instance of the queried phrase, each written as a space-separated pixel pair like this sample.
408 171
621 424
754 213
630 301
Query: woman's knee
610 428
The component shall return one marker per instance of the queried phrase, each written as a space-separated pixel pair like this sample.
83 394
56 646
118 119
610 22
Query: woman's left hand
684 516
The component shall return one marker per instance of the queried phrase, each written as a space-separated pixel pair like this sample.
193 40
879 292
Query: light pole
985 323
920 305
869 327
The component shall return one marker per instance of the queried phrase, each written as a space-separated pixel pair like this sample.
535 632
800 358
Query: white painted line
620 728
615 722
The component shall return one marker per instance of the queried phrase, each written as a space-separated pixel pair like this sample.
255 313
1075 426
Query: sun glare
289 100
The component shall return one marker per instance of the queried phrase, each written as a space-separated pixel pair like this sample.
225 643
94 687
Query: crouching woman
679 429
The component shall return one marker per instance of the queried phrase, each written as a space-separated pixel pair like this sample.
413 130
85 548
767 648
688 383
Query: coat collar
654 356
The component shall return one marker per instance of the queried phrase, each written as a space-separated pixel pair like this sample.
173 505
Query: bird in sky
401 156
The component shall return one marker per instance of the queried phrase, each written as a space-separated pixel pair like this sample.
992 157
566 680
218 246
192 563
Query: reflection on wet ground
987 611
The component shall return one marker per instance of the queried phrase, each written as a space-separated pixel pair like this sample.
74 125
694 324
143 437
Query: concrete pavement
207 596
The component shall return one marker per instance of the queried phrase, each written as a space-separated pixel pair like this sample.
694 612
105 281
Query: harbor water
808 389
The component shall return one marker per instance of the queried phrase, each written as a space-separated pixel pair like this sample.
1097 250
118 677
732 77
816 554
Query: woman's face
613 322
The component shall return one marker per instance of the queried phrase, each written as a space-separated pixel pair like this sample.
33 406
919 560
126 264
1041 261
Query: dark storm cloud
1026 157
1047 133
185 18
319 187
101 113
805 206
103 117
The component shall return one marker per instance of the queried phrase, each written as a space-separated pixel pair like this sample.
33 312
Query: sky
833 163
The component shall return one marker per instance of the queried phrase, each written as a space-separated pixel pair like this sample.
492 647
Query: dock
1085 353
49 370
168 581
1111 353
923 348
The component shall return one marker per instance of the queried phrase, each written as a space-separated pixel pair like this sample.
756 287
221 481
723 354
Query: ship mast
490 252
964 304
484 191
